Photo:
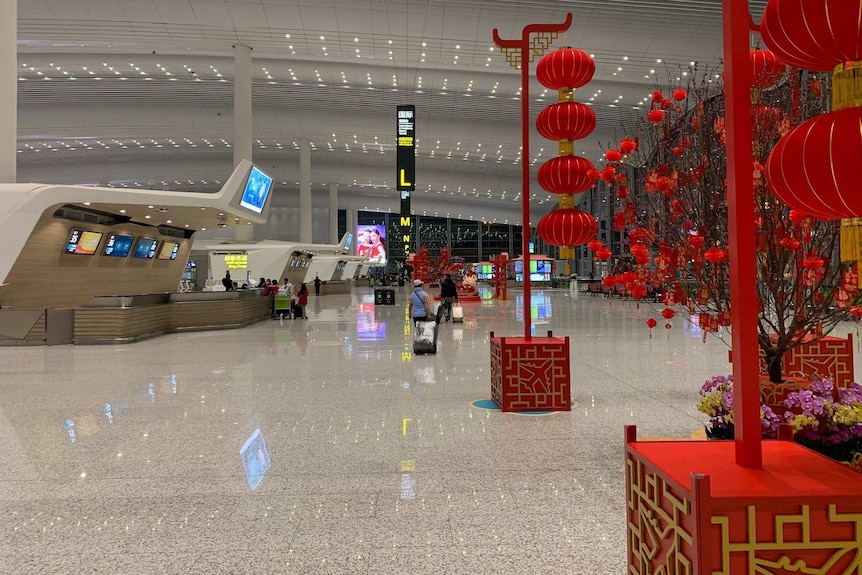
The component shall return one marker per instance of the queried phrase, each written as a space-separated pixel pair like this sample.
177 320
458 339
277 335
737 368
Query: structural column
8 91
333 213
304 191
242 121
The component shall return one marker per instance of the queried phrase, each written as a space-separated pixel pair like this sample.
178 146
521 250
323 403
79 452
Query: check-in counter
116 319
333 287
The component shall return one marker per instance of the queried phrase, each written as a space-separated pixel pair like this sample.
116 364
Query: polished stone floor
127 458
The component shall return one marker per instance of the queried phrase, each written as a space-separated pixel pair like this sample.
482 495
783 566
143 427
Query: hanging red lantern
638 292
814 167
813 263
623 192
790 243
813 35
651 323
766 68
613 155
594 245
667 313
567 227
566 121
679 94
657 97
566 68
696 241
610 281
566 175
639 235
714 255
639 251
628 277
655 116
627 146
797 216
603 254
607 173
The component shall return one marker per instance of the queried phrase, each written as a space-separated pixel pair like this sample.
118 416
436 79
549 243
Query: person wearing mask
419 305
316 285
448 292
302 299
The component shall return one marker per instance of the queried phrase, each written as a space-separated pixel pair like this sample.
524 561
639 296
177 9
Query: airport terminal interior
155 420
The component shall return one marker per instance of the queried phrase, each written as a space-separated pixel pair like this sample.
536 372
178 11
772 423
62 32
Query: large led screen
256 190
118 246
371 243
169 251
83 242
146 248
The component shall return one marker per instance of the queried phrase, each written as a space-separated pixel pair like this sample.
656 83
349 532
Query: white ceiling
141 91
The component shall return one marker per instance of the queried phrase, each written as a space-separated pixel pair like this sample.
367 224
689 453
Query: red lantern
790 243
623 192
640 251
766 68
813 35
696 242
566 175
714 255
667 313
679 95
797 216
813 263
814 167
655 116
628 277
603 254
594 245
651 323
638 292
609 281
607 173
614 155
657 97
567 227
566 121
567 68
627 146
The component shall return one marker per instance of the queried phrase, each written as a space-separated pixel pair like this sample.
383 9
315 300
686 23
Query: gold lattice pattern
539 44
659 539
795 543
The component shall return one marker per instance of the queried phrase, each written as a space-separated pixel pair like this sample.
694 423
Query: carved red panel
531 375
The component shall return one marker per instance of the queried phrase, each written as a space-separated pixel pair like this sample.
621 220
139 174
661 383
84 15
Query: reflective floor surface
324 446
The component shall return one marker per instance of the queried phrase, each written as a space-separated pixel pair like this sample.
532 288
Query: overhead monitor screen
83 242
371 243
146 248
118 246
169 251
256 190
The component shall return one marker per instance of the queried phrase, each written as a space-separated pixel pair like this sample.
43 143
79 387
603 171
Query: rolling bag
297 311
425 337
457 312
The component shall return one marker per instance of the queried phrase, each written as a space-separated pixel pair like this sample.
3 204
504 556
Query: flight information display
146 248
83 242
118 245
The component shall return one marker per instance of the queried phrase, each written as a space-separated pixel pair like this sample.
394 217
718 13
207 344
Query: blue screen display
146 248
256 190
118 246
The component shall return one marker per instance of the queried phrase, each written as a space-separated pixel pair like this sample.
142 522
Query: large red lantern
766 68
566 175
603 254
594 245
567 68
567 227
566 121
813 34
815 167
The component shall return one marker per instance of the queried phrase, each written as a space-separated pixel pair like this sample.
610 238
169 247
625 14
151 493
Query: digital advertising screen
169 251
118 246
83 242
146 248
256 191
371 243
367 329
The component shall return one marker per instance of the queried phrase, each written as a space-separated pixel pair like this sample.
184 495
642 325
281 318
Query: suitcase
425 337
457 312
297 311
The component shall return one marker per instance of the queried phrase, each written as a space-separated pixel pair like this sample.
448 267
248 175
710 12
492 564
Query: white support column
304 191
242 121
9 91
333 213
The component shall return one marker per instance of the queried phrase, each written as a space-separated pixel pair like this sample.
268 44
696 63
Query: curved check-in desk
114 319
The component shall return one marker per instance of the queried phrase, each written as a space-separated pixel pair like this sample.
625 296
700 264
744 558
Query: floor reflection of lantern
567 175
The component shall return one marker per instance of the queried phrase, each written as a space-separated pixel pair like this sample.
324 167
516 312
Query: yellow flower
848 414
802 421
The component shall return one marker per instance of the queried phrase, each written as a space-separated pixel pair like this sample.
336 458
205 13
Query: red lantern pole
741 233
524 51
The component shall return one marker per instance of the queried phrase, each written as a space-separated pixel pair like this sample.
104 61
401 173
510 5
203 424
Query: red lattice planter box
531 374
691 509
818 358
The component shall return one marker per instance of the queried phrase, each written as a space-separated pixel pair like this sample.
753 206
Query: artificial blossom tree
677 223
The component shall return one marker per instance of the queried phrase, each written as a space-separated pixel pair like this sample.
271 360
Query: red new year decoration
603 254
613 155
594 245
655 116
567 227
790 243
667 313
566 121
714 255
566 175
813 34
568 68
766 68
679 94
814 167
627 146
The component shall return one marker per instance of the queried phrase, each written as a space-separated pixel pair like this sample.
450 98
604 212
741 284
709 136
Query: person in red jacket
302 299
